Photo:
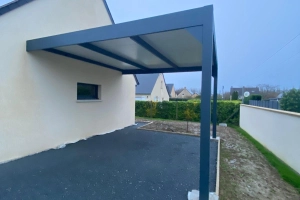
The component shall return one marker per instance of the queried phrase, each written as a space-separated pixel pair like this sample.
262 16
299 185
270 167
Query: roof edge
136 79
12 5
108 11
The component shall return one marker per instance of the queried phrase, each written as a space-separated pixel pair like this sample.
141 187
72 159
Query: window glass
87 91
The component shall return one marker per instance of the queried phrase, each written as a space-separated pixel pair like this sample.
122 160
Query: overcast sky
249 33
257 41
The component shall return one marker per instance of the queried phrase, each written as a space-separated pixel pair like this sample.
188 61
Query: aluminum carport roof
176 42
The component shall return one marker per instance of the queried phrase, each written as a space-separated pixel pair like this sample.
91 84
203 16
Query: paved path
126 164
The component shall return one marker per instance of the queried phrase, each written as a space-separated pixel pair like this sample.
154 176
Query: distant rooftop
169 88
147 82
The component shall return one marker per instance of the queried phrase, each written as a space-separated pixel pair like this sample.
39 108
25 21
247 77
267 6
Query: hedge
291 101
175 110
178 99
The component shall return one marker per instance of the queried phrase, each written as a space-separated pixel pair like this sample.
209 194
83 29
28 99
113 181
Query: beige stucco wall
184 94
279 131
38 94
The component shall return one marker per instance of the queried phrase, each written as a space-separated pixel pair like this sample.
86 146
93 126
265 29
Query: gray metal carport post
215 93
214 118
207 62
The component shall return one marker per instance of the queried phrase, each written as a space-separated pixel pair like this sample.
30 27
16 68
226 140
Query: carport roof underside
168 43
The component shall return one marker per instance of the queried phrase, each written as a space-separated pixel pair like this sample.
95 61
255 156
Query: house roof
12 5
179 90
280 96
146 83
169 88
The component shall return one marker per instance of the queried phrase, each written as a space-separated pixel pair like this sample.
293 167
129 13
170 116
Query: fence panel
266 104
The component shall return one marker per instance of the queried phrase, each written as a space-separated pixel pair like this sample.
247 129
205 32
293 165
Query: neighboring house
183 93
46 99
171 90
152 87
242 90
278 98
195 95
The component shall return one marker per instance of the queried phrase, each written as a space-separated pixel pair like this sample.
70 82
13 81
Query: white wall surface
160 92
140 97
277 130
38 91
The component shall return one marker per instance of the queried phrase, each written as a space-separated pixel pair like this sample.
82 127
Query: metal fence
274 104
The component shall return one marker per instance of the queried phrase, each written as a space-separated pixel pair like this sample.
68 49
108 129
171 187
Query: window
88 91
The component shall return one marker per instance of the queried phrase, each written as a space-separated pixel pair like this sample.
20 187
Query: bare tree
268 91
226 96
195 91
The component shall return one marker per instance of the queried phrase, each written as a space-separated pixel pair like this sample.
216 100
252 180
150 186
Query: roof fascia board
12 5
173 21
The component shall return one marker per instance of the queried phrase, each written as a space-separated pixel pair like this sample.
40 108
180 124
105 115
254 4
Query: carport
177 42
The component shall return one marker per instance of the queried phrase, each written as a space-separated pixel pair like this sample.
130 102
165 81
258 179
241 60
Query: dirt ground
172 126
244 171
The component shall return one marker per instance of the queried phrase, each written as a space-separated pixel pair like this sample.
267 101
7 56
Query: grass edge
285 171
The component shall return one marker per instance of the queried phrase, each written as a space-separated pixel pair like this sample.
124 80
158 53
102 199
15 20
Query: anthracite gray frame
12 5
108 11
199 22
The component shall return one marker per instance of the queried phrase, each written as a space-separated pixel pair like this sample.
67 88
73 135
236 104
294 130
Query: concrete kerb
218 166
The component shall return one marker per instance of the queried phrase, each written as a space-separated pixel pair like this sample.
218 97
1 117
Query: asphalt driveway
126 164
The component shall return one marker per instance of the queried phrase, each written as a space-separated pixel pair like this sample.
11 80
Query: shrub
176 110
235 95
151 110
255 97
252 97
189 115
291 101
